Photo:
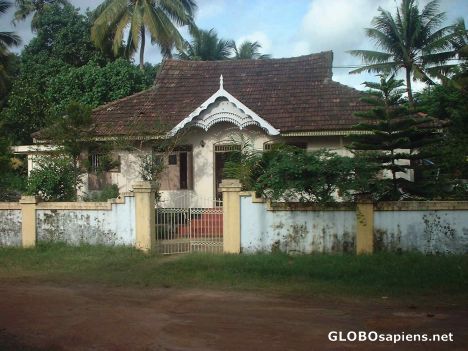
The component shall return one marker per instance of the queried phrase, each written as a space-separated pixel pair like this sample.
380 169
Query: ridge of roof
328 53
125 98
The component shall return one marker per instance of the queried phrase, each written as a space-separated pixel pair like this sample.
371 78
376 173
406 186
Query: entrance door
223 154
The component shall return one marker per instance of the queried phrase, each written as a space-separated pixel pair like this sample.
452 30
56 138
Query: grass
382 274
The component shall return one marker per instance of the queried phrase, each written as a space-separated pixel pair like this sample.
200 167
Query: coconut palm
34 7
7 40
206 46
159 17
411 40
249 50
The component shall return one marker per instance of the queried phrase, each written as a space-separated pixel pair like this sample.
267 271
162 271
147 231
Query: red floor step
208 224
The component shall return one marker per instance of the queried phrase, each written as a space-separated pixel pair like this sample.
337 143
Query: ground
41 315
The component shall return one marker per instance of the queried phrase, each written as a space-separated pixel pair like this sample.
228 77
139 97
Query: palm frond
108 15
371 57
387 67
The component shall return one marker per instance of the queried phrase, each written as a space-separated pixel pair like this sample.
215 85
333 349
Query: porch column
28 222
364 227
231 215
145 224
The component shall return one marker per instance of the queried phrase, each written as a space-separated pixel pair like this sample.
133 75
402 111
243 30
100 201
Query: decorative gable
223 107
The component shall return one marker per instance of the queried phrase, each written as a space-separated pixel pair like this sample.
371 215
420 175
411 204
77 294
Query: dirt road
39 316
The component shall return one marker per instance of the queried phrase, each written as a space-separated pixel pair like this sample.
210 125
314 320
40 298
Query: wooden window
178 173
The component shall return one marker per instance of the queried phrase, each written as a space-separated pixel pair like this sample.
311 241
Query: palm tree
206 46
35 7
412 40
7 40
160 18
249 50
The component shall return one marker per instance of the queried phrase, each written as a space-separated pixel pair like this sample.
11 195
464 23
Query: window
103 162
178 173
94 162
172 159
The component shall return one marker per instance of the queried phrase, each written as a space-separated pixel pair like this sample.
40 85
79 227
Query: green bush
107 192
55 179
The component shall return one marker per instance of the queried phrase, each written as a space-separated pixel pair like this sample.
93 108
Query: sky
288 28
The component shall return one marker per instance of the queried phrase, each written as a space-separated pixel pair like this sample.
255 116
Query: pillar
28 222
145 226
231 215
365 227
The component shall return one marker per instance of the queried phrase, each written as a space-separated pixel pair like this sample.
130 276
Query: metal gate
189 224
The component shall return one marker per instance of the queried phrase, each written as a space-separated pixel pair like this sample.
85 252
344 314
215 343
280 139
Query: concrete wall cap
29 199
230 185
144 186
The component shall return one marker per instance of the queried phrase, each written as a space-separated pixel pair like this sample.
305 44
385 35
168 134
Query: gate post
28 222
231 215
145 224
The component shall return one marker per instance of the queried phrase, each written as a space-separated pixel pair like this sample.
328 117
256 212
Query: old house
212 107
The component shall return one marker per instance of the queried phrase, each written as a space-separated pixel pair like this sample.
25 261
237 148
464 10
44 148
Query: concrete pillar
28 222
145 226
231 215
365 228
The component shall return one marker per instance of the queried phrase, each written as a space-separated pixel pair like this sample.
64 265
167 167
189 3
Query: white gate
189 224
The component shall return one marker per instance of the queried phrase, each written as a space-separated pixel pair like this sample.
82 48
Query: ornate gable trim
240 115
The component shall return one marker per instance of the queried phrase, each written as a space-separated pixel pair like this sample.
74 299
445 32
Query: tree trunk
408 88
142 49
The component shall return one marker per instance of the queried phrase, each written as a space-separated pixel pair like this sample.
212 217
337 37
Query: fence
429 227
29 221
243 224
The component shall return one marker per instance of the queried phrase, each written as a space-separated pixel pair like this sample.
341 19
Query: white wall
10 227
92 226
425 231
295 231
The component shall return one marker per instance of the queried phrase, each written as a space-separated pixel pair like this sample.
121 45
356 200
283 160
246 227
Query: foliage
71 131
94 85
206 46
396 136
365 181
107 192
159 18
412 40
289 173
62 34
54 179
241 165
150 166
7 40
12 173
448 102
34 7
61 65
248 50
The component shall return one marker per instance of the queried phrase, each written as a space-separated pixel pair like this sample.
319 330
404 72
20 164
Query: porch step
208 225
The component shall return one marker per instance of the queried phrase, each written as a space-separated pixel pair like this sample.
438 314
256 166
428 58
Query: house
214 106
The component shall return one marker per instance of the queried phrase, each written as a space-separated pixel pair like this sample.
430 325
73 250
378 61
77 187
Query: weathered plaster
10 228
425 231
297 231
99 226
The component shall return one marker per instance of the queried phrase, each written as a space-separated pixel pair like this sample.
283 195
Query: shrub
55 179
107 192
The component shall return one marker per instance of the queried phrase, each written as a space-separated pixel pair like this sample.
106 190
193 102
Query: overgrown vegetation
395 140
54 179
382 274
60 65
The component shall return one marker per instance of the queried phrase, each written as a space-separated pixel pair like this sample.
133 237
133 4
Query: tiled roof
292 94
